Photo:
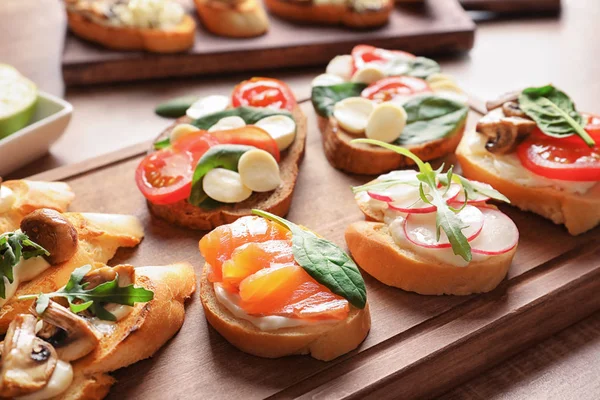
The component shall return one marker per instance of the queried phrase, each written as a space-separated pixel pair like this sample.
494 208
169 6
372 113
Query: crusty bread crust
173 40
277 202
374 250
245 19
90 387
579 213
372 160
333 14
323 342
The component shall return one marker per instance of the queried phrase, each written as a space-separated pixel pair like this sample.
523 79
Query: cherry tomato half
249 135
363 54
263 92
387 88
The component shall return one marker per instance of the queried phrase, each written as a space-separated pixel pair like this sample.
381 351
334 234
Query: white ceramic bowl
51 117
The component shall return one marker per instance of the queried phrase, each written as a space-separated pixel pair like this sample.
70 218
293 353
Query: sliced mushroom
72 336
51 230
27 361
507 97
512 109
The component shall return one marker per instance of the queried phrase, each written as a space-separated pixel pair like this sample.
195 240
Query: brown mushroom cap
51 230
27 361
106 274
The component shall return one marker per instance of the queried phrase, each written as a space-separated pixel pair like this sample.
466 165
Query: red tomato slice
387 88
263 92
165 177
195 144
363 54
249 135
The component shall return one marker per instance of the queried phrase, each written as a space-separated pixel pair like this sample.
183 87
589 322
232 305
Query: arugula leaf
325 97
176 107
13 247
554 112
81 299
431 117
472 187
419 67
325 262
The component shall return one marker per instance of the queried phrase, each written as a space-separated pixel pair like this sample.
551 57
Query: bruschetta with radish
103 319
386 95
227 155
273 288
543 154
160 26
431 232
233 18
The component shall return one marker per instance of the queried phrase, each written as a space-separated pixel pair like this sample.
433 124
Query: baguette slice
139 335
172 40
31 196
277 202
98 242
372 160
332 14
373 248
246 18
323 342
578 212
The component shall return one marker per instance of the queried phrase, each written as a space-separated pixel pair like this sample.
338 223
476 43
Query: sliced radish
417 206
399 191
420 228
498 236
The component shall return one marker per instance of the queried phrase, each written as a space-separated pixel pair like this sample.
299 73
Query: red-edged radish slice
399 191
417 206
420 228
498 236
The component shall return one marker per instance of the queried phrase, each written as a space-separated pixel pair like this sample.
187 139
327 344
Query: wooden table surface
508 54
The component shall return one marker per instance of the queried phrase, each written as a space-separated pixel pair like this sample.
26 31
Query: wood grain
550 286
441 26
512 6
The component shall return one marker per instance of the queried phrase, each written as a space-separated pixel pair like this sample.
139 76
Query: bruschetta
104 319
233 18
226 156
273 289
160 26
432 232
42 254
386 95
542 153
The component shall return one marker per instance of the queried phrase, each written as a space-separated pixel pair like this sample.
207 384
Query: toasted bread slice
31 196
372 160
99 239
277 202
578 212
373 248
331 14
323 342
172 40
246 18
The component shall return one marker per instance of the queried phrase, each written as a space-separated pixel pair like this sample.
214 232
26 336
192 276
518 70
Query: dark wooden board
513 6
440 26
419 346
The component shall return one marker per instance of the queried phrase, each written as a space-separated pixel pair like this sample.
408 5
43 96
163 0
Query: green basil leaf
419 67
325 262
162 144
553 112
325 97
220 156
250 115
431 117
175 108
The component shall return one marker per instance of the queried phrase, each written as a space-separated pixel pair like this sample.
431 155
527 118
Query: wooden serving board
419 346
440 26
513 6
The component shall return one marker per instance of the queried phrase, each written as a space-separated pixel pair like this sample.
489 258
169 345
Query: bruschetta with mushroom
386 95
542 153
227 155
42 254
233 18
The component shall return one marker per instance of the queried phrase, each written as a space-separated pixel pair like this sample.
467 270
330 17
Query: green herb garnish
13 247
176 107
325 262
325 97
419 67
553 112
81 299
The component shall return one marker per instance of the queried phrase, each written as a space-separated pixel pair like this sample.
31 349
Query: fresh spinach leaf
325 97
419 67
553 112
431 117
175 108
325 262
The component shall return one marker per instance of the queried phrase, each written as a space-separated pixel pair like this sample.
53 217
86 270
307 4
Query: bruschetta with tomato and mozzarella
543 154
431 232
233 18
273 288
386 95
160 26
226 156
